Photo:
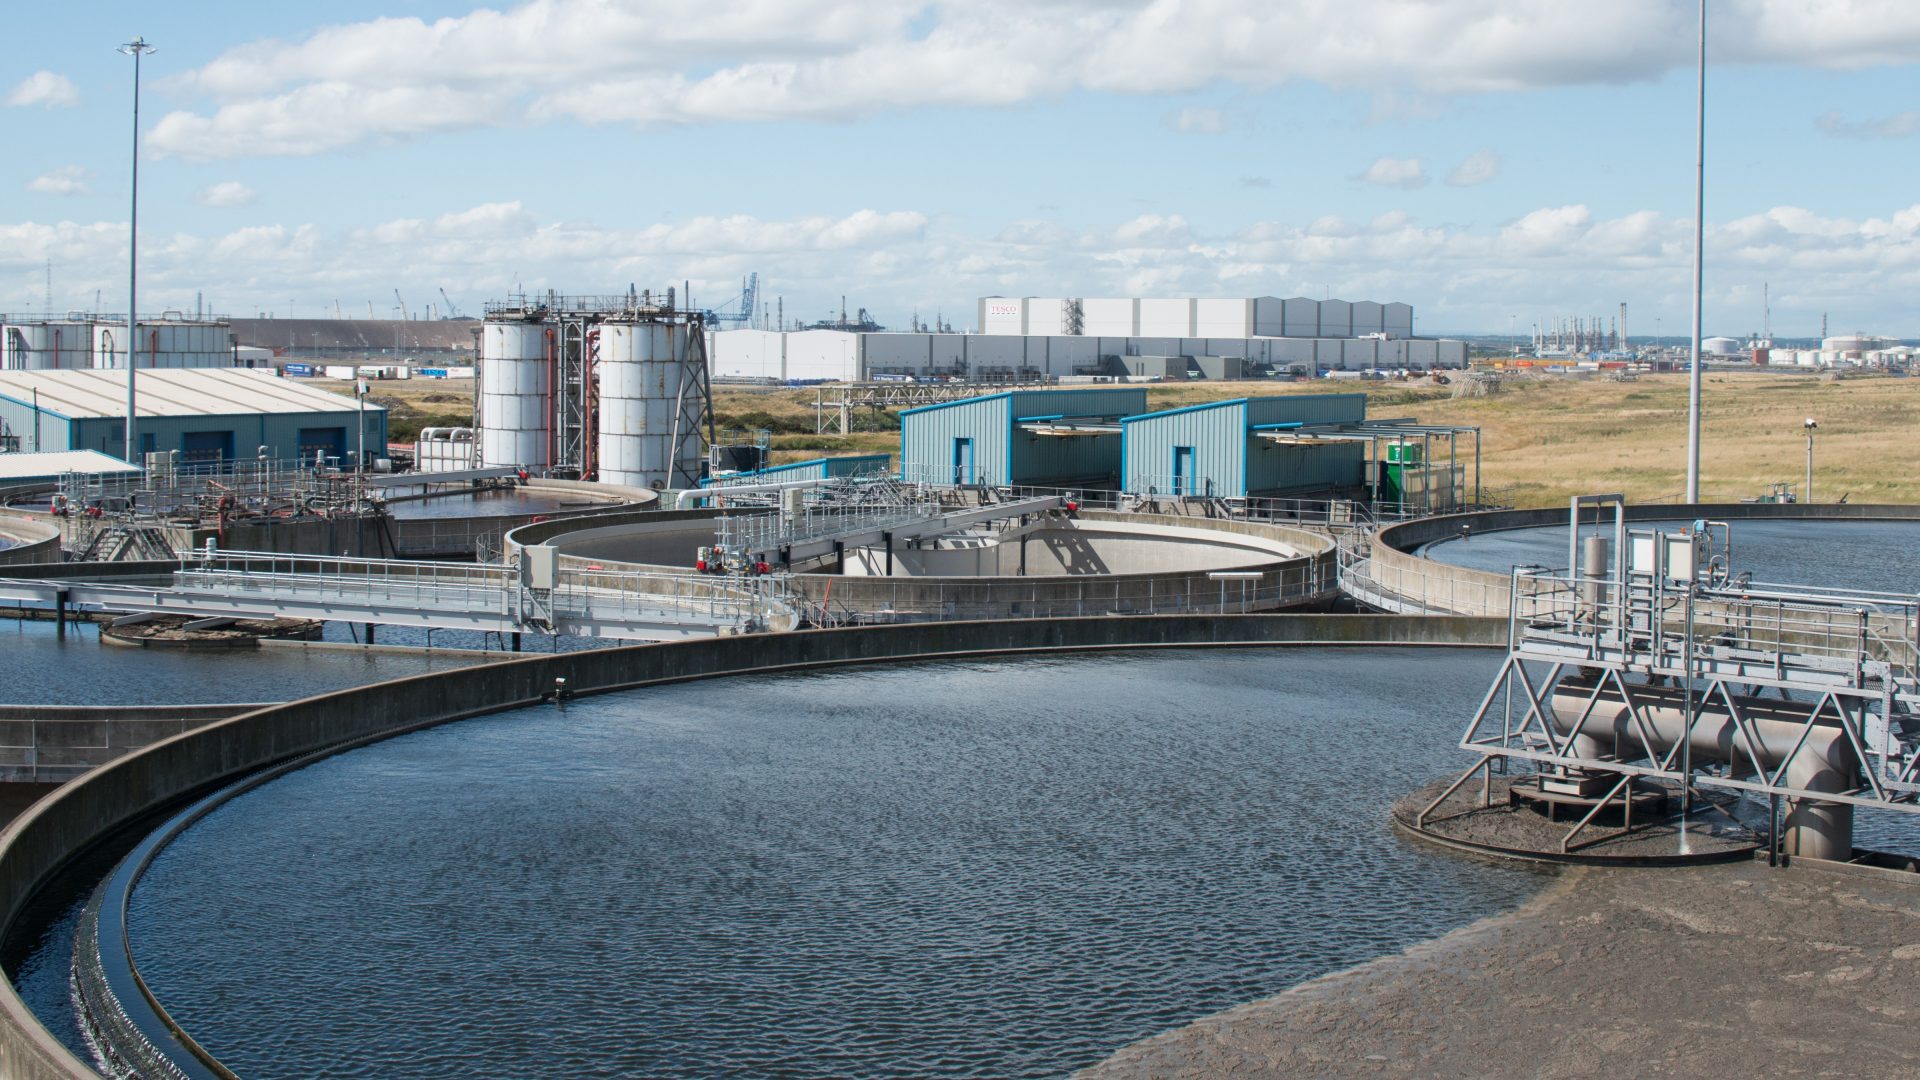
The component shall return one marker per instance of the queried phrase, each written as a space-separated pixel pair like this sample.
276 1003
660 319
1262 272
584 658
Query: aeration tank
516 415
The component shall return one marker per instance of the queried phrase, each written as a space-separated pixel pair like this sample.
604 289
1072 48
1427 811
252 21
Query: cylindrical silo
515 396
644 386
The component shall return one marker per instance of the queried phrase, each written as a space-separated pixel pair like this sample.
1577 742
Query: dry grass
1543 439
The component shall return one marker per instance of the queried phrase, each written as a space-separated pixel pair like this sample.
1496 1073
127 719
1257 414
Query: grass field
1543 438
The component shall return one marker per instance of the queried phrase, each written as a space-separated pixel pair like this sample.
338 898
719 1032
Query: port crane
748 301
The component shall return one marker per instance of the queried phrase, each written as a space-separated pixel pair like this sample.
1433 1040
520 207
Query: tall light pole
135 48
1699 254
1811 424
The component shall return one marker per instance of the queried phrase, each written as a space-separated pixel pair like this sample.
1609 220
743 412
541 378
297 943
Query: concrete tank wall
1439 586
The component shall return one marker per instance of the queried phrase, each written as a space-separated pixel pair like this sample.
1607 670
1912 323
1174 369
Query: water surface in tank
496 502
993 868
42 669
1873 555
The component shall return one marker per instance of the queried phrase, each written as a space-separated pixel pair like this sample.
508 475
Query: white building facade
1240 317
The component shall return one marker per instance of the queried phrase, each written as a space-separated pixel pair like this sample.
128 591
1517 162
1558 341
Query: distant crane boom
402 304
452 312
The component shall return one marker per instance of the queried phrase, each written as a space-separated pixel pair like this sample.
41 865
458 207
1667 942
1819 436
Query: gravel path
1724 970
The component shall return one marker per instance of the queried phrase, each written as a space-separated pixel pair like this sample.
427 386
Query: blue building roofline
959 401
1184 409
44 411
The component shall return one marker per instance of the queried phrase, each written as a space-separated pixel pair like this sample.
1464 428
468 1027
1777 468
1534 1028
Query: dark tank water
1878 556
989 869
41 669
496 503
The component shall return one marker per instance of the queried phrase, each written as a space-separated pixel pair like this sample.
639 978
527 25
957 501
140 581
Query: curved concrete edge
1394 570
58 828
1307 575
35 539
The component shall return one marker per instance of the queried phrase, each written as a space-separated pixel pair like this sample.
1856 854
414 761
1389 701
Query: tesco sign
1003 309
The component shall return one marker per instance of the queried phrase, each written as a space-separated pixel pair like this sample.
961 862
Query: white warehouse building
848 356
1241 317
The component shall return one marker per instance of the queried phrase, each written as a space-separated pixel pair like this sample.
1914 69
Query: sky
1494 163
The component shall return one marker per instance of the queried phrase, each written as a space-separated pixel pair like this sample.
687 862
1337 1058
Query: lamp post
1699 259
135 48
1811 424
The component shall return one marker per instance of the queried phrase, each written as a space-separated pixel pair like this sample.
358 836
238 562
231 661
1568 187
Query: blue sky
1478 159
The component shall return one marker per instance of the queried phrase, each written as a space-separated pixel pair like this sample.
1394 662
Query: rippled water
1871 555
990 869
41 669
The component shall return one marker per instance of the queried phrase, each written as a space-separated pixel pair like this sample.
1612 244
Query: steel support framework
1624 658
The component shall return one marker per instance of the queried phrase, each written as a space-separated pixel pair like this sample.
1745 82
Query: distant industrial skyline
1491 163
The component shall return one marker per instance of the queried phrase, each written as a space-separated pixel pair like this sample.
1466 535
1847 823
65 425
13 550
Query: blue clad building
1243 447
825 468
1037 438
205 415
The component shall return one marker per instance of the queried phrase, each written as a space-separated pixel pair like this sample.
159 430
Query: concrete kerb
1461 590
60 827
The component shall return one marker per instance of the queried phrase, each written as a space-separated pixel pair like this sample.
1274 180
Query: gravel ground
1725 970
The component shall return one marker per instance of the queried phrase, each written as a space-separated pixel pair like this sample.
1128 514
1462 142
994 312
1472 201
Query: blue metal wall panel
1274 468
1307 408
927 437
1218 435
1103 401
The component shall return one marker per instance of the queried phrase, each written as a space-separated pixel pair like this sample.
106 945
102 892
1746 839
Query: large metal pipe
1825 762
692 497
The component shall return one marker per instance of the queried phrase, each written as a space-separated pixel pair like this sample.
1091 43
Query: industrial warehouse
1053 339
201 416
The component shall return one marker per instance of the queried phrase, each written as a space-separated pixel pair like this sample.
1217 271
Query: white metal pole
1699 252
133 48
1809 497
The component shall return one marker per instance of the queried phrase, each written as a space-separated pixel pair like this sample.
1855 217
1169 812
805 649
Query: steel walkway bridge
530 597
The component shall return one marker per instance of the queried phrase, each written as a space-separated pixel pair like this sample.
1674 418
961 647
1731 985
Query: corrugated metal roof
170 392
55 462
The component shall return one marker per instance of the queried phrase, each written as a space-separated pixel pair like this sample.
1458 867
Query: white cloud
653 62
1194 120
66 180
1458 277
1407 173
1898 126
224 193
1476 169
45 89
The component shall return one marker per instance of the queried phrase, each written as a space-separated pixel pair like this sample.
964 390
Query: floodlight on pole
135 48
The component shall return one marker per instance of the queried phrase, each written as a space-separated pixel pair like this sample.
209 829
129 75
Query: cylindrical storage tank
515 396
643 371
46 346
166 343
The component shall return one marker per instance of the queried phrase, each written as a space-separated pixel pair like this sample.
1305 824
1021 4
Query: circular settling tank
992 868
1870 555
1047 564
